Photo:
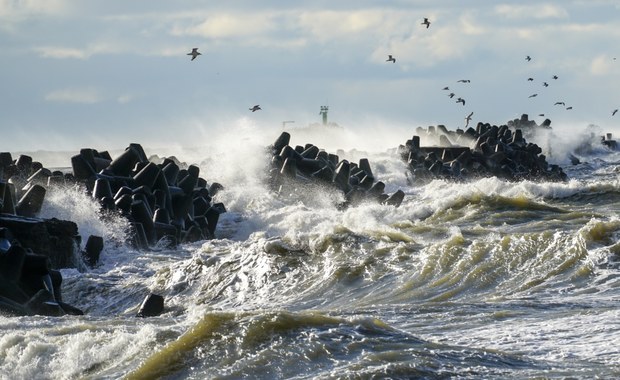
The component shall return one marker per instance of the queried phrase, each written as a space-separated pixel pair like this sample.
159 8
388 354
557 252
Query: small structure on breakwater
293 167
487 150
609 141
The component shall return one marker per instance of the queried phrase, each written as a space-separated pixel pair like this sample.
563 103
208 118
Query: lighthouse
323 113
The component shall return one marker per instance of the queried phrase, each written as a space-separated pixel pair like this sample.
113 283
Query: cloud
541 11
87 95
601 65
229 25
19 9
59 52
326 25
470 25
446 42
125 98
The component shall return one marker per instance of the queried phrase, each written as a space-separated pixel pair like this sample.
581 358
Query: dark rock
493 151
92 250
152 306
53 238
293 169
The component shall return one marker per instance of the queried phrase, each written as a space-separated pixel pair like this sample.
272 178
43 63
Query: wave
281 344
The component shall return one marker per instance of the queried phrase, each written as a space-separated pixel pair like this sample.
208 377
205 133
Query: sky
106 73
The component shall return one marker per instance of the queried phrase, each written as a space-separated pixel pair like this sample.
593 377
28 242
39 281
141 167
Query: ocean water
480 279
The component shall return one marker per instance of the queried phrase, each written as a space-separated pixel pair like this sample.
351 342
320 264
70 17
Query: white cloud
229 25
601 65
333 24
125 98
23 8
470 25
539 11
444 43
59 52
87 95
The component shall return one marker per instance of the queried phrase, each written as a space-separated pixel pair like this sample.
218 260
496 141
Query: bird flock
545 84
427 23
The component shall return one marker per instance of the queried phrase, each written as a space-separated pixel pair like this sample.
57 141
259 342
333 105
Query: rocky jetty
299 166
487 150
529 128
31 248
164 202
28 284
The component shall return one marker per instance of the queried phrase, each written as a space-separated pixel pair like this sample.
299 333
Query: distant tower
323 113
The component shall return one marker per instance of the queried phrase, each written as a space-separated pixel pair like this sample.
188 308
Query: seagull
460 100
463 80
613 113
446 88
555 77
255 108
391 59
528 58
468 119
533 95
530 79
559 104
194 53
426 22
451 95
545 84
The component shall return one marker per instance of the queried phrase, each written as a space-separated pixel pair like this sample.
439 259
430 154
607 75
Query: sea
477 279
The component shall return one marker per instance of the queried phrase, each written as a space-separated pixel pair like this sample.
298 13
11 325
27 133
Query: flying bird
528 58
613 113
426 22
194 53
468 118
255 108
545 84
530 79
541 114
555 77
533 96
446 88
559 104
569 108
463 80
451 95
460 100
391 59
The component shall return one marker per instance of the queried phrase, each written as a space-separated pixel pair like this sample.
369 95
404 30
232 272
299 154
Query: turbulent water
483 279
